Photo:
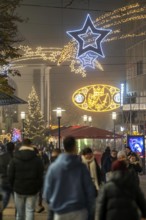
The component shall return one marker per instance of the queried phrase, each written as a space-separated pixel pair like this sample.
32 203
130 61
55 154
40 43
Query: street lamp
114 117
59 115
90 120
86 119
22 115
3 131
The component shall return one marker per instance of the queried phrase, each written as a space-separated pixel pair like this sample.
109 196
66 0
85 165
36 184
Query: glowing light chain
124 15
126 20
117 11
115 18
125 36
49 54
130 13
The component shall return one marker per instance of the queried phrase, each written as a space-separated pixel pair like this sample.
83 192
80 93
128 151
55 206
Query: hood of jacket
25 153
67 161
126 178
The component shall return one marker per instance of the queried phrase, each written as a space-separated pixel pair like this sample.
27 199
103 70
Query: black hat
87 150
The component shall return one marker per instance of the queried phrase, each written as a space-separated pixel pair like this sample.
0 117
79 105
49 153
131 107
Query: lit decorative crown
98 90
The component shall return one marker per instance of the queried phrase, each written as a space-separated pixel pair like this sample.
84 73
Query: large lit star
95 38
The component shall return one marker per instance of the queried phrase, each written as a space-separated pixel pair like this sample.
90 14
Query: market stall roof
6 99
81 132
94 133
65 130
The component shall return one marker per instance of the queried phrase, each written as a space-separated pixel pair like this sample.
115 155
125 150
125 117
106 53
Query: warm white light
90 118
59 112
114 115
3 131
85 117
22 115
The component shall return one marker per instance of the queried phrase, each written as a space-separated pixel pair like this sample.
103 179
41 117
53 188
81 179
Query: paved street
9 213
143 183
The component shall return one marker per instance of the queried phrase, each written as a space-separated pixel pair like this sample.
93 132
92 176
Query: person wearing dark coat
107 164
6 154
128 151
25 174
121 197
105 155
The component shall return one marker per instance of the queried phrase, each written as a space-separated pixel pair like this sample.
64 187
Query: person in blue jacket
68 187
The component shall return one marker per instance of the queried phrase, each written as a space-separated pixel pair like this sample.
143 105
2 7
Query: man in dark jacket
107 164
68 188
26 177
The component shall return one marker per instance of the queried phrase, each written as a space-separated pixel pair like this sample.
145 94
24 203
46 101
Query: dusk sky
46 26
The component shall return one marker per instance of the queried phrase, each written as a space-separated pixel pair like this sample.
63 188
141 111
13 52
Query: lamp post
22 115
59 115
114 117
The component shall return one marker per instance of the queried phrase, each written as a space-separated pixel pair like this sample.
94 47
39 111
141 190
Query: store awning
81 132
6 99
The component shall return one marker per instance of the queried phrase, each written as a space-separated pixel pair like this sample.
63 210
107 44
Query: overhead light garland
69 53
124 15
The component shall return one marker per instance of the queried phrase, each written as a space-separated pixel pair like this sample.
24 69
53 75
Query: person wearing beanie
121 197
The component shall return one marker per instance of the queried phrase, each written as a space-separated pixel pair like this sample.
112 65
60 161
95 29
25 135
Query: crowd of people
73 184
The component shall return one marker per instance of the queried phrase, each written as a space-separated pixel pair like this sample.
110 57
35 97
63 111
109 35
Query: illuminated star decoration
89 40
87 59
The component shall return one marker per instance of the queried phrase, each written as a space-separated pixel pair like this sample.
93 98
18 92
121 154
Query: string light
123 15
118 17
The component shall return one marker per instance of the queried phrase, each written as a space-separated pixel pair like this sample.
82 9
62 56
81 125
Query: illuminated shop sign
122 94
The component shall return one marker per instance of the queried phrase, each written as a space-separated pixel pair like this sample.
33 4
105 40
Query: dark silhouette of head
69 143
27 142
10 146
87 150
